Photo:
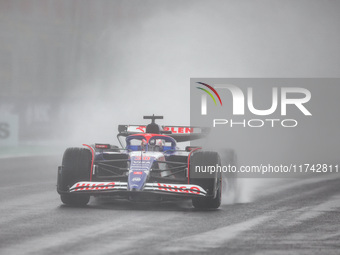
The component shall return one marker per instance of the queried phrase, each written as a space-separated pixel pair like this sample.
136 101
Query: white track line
88 233
215 238
332 204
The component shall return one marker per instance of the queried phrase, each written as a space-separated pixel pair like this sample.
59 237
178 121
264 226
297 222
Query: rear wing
179 133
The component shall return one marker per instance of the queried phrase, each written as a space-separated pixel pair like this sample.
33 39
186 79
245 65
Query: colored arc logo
209 93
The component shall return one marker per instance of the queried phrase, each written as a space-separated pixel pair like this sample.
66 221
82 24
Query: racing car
147 166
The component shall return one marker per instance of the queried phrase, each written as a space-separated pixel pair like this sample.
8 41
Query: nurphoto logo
242 102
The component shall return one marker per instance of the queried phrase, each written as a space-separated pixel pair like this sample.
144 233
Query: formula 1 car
148 167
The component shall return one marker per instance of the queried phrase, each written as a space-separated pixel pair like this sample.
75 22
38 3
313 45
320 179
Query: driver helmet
160 143
156 145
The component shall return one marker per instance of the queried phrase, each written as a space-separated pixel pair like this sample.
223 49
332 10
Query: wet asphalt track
289 217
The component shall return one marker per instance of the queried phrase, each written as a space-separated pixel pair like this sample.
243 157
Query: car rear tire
212 185
76 167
